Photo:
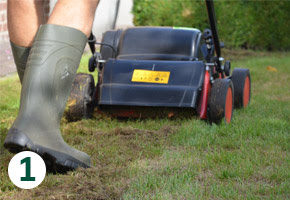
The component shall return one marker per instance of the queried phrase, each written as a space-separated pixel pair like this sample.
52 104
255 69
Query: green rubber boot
50 71
20 55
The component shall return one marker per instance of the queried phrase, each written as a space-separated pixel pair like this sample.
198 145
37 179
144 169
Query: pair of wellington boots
46 72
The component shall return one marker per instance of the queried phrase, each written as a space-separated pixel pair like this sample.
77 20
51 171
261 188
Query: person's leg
80 15
24 19
50 71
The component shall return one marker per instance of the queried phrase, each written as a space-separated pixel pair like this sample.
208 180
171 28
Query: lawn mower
173 69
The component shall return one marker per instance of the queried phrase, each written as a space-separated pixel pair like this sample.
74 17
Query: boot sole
56 162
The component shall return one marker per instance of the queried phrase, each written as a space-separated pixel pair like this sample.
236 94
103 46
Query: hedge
245 24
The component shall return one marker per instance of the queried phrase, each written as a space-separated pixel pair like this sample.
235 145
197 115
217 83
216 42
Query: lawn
175 158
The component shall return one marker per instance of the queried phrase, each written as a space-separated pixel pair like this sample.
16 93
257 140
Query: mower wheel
80 103
92 64
221 101
242 85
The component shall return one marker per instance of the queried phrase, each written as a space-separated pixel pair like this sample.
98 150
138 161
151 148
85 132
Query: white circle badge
26 170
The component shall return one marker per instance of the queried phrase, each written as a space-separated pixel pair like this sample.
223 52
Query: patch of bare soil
241 54
111 153
128 131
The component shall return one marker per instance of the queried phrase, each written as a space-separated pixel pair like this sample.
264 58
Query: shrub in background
244 24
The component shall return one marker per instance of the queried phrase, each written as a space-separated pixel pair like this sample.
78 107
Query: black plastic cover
111 38
155 43
185 83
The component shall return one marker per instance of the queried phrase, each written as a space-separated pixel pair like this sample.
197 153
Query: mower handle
213 26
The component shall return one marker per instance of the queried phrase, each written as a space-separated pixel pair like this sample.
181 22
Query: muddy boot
20 55
52 64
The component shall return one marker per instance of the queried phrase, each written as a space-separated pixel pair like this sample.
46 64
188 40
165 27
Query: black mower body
170 67
154 66
184 84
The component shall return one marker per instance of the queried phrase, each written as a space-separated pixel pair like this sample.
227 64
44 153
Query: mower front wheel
221 101
242 84
80 103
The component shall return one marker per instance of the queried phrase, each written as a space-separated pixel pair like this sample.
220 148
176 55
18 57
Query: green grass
175 158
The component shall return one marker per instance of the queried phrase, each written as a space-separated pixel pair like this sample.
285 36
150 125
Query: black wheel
221 101
242 85
92 64
80 103
111 38
227 68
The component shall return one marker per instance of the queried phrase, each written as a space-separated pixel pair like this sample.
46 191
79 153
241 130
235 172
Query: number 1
27 177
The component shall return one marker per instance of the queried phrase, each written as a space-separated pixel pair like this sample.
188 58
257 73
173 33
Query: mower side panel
185 83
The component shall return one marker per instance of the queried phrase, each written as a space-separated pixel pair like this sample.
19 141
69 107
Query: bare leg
24 19
77 14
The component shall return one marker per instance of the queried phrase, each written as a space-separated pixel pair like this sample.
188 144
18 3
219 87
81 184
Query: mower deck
185 80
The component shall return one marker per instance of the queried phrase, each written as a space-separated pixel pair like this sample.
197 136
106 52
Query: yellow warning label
147 76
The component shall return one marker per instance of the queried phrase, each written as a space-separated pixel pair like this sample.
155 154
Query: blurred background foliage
258 25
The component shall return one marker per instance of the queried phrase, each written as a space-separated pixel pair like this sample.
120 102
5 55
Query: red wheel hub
229 106
246 98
